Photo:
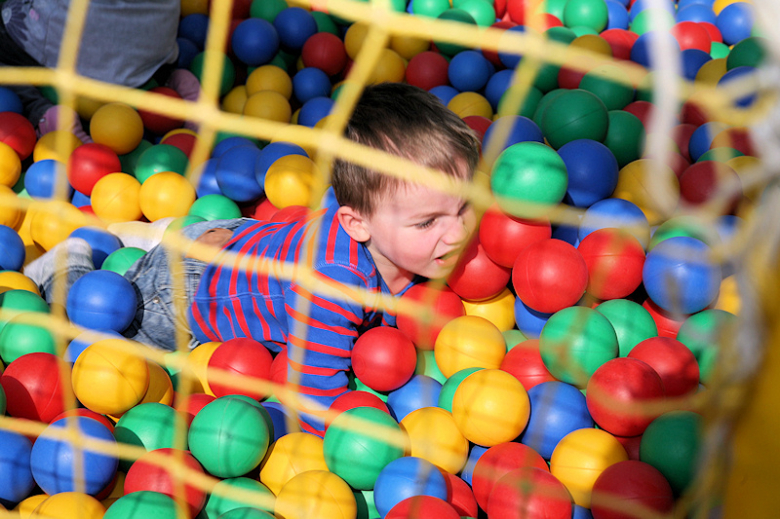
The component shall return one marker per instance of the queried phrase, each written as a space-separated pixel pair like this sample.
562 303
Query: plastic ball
153 472
549 275
150 425
244 362
18 133
16 301
383 358
424 309
499 310
57 145
671 444
498 461
53 222
159 158
19 338
434 436
194 27
641 52
326 52
122 259
290 455
651 186
53 460
469 71
117 198
315 493
158 123
255 41
427 70
420 391
9 101
586 13
310 83
467 342
89 163
575 114
532 493
470 104
16 479
70 505
102 243
33 387
118 126
166 194
625 136
214 444
42 179
704 333
614 259
504 237
235 173
102 299
13 253
735 22
628 484
268 104
632 323
12 280
407 477
418 507
289 179
294 26
507 131
314 110
143 504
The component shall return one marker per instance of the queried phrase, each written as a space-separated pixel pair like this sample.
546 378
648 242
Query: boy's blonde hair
409 122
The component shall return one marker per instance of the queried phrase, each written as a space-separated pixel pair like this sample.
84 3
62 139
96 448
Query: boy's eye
465 207
425 224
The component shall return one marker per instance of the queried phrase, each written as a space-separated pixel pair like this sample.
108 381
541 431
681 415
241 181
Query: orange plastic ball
166 194
269 77
56 145
289 181
268 104
118 126
117 198
469 342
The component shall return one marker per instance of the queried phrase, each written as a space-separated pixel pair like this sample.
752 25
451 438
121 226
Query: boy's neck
395 278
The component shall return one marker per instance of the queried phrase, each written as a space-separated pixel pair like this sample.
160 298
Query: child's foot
52 117
73 252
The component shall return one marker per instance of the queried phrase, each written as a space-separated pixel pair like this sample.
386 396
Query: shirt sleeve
321 332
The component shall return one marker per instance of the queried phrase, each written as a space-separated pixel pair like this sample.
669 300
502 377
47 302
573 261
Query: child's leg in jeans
65 263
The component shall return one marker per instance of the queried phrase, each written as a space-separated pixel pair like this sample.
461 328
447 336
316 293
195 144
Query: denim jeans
160 311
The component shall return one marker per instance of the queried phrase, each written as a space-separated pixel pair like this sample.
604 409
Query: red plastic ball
504 237
543 21
184 141
737 137
146 474
499 460
518 9
158 123
34 388
630 485
668 324
89 163
620 41
240 9
88 413
291 213
479 124
673 361
705 181
246 358
529 493
643 110
678 163
681 134
427 69
460 496
326 52
260 209
278 372
353 399
550 275
383 358
569 78
692 35
422 507
614 258
692 113
193 404
477 277
617 391
525 363
491 55
444 304
500 8
17 132
713 31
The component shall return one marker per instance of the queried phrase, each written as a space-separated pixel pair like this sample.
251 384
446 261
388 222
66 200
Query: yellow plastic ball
652 186
11 213
499 310
354 37
269 77
748 169
580 458
109 378
469 342
189 7
31 249
86 107
160 388
434 436
10 165
235 100
710 73
290 455
12 280
27 506
316 493
270 105
490 407
53 222
390 68
117 198
729 299
409 46
69 505
289 181
56 145
719 5
470 103
177 131
593 43
117 492
118 126
166 194
198 362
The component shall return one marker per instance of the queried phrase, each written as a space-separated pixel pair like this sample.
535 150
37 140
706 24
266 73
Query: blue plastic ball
195 27
685 3
16 479
40 180
53 460
445 93
702 137
511 59
313 110
735 22
580 512
80 199
557 409
207 183
229 142
187 52
644 47
102 242
255 41
516 129
279 418
679 275
617 15
236 174
692 60
295 25
640 5
102 299
406 477
695 13
309 83
736 74
421 391
271 154
528 320
592 170
82 340
469 71
497 85
9 101
468 469
567 233
12 251
616 212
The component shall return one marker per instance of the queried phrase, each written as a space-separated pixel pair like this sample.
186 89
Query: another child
384 236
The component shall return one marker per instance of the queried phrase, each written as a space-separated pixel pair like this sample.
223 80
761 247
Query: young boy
384 236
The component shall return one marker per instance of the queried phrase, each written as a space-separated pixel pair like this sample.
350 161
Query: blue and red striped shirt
317 330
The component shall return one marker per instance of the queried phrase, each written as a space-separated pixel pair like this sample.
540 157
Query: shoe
51 119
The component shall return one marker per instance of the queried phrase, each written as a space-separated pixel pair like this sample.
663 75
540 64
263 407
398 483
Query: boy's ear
354 223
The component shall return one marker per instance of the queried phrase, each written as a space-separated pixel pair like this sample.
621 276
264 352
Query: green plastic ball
513 338
19 338
158 158
129 160
574 342
263 411
357 454
547 100
430 8
704 333
631 322
481 11
267 9
15 302
528 178
151 425
560 34
582 30
366 509
229 437
218 504
527 107
451 385
144 504
426 365
611 84
575 114
183 221
247 513
625 136
719 50
122 259
227 79
750 52
555 8
685 225
652 19
454 15
671 444
215 207
3 401
586 13
720 154
324 23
